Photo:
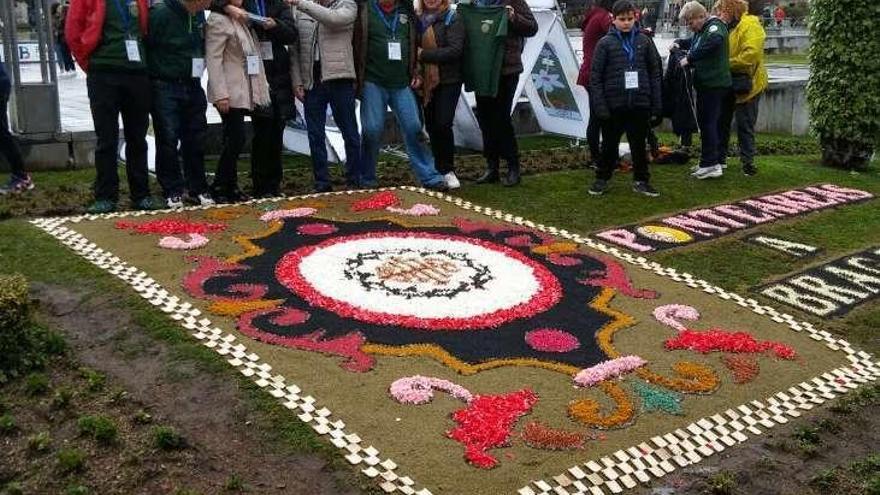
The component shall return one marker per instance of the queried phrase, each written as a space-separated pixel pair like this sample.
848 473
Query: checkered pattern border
614 473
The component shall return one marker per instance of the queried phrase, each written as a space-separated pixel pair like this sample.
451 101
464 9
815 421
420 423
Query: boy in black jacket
625 86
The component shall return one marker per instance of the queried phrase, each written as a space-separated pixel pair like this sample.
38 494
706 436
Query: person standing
237 87
322 70
625 82
274 33
62 51
107 40
707 53
779 15
19 180
596 24
495 104
176 58
385 48
442 44
749 80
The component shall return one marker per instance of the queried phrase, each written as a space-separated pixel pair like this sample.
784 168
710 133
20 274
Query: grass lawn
787 58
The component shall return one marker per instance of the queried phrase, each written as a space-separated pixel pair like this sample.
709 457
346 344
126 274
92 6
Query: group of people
623 73
260 55
147 61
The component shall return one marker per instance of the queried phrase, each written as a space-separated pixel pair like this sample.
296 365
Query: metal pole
53 69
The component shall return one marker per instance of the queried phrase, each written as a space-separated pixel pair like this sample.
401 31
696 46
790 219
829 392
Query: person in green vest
176 59
707 53
107 40
385 55
496 36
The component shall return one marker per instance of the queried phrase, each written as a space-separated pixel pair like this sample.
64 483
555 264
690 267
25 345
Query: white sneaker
205 200
452 181
174 202
708 172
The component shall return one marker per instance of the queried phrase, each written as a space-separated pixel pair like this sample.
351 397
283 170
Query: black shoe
437 186
489 177
750 170
598 188
642 187
324 189
233 196
513 178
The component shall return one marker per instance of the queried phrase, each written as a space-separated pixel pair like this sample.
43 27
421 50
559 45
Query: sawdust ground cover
542 351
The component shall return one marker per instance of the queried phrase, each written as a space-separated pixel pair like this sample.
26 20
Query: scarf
430 72
259 86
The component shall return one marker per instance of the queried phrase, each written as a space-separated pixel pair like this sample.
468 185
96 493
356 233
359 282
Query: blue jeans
374 101
339 94
179 116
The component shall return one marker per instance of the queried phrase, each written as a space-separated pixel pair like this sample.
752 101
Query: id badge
631 79
394 52
131 48
266 50
253 65
198 68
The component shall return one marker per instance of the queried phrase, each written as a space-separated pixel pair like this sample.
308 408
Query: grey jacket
330 29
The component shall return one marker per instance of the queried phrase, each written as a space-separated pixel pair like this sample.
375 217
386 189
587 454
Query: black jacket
678 103
284 33
608 92
450 36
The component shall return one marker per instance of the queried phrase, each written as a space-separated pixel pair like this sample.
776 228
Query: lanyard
124 14
391 26
194 37
629 45
261 8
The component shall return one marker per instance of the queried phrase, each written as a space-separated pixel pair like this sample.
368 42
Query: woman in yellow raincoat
749 78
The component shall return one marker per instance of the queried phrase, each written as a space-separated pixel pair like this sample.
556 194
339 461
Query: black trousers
709 106
266 170
635 123
112 94
496 124
439 115
226 178
594 132
746 117
8 144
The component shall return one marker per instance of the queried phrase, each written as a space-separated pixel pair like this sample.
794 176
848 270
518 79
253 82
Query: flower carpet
448 348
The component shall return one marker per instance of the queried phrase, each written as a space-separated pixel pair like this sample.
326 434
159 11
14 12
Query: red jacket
596 24
85 26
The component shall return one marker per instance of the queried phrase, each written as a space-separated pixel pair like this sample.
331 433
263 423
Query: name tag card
253 65
631 79
198 68
131 48
394 51
266 50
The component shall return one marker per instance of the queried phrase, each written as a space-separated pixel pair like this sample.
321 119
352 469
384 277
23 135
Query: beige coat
227 46
330 29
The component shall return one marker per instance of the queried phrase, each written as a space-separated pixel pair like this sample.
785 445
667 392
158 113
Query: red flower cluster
724 341
171 226
487 423
316 229
744 368
378 201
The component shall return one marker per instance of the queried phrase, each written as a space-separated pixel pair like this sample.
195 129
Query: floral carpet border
621 470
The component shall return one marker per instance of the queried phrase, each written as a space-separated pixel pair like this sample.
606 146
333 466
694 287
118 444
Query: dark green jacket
175 39
708 54
110 55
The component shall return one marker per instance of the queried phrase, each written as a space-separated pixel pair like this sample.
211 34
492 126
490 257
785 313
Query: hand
656 120
236 13
270 24
419 54
416 83
510 11
684 63
222 105
299 92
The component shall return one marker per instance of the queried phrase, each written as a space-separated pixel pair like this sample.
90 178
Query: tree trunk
841 153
